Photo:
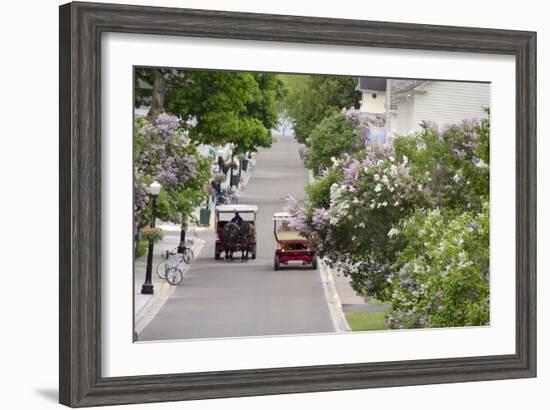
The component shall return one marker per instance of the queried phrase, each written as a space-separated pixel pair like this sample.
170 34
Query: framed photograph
257 204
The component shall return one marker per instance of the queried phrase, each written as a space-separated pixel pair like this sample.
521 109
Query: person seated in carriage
237 219
235 230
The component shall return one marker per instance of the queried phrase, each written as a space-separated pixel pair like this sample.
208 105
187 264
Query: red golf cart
291 246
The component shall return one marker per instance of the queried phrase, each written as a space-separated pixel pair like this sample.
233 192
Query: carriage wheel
277 262
254 252
314 263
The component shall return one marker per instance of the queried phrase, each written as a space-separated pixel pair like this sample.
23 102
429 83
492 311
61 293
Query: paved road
234 298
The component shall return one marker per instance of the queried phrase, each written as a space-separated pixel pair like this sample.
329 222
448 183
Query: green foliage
451 165
442 277
332 137
318 192
218 107
152 234
141 248
265 105
311 98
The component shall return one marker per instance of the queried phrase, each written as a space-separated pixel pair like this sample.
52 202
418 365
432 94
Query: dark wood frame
81 26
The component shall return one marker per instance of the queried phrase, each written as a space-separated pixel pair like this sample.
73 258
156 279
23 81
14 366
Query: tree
332 137
150 89
162 152
216 107
311 98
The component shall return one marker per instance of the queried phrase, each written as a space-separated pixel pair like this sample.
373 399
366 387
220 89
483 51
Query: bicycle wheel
188 255
162 268
174 276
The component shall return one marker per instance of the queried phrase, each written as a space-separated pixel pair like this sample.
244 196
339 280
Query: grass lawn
361 321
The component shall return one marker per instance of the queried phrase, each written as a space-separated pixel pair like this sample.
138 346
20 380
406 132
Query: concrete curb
152 307
331 292
333 299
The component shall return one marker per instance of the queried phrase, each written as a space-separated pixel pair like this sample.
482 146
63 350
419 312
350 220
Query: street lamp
147 288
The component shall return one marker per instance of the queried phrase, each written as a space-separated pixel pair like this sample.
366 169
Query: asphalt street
242 299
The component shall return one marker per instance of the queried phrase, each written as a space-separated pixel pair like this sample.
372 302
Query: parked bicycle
227 197
171 269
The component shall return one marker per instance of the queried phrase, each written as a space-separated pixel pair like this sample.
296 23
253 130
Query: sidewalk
147 306
351 302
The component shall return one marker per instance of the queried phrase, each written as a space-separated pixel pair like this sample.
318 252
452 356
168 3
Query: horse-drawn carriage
235 230
291 246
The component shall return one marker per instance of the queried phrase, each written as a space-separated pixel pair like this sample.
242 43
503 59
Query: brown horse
230 239
247 237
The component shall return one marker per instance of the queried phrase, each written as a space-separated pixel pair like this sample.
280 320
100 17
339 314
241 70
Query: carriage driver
237 219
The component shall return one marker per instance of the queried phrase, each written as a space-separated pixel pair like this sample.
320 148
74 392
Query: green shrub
332 137
441 275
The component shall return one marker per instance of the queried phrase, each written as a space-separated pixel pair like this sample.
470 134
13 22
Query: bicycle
227 197
170 269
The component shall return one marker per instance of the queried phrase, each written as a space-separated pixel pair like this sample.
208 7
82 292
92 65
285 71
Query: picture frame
81 26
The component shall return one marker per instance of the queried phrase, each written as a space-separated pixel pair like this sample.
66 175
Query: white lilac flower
391 158
457 177
384 203
405 160
392 232
376 177
480 163
377 188
385 180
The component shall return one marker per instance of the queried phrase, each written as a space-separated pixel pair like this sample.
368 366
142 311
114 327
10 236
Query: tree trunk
157 101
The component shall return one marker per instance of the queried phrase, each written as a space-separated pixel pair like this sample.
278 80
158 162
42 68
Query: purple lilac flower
167 124
460 154
319 218
350 172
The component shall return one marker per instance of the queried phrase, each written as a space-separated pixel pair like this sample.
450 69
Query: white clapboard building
408 102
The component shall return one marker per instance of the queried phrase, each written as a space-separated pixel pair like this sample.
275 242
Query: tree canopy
333 136
310 98
216 107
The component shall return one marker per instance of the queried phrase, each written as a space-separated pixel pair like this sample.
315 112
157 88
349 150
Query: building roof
399 87
372 84
282 216
237 208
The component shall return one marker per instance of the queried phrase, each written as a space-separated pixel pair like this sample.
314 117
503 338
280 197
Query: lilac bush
162 152
441 276
356 209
